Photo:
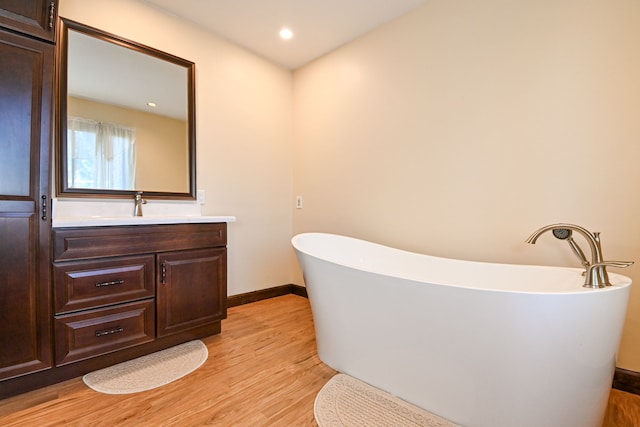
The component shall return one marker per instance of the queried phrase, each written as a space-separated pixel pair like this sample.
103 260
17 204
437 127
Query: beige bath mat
345 402
150 371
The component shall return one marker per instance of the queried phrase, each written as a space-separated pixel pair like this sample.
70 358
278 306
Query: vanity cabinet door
26 80
33 17
191 289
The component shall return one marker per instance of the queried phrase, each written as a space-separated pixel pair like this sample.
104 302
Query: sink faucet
596 272
139 201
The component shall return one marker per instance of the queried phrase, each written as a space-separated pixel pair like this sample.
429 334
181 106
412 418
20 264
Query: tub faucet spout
596 272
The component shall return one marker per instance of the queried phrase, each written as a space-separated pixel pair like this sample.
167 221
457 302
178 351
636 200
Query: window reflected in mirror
100 155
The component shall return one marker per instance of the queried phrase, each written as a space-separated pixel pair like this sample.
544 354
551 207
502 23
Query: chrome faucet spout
596 272
592 239
139 201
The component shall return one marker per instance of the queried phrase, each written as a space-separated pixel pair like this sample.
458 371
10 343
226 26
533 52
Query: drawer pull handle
113 282
109 331
44 208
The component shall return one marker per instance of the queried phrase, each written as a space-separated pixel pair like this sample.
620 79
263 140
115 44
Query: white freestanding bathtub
481 344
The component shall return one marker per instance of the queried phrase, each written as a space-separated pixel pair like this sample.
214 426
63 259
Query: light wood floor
262 371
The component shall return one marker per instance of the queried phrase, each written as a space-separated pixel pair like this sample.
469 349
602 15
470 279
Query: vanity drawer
97 242
96 332
81 285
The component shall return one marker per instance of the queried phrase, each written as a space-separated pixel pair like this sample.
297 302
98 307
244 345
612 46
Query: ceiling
319 26
109 73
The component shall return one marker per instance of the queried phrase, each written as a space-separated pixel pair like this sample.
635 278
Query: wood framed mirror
126 118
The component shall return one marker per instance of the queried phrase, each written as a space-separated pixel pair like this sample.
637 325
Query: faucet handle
602 276
618 264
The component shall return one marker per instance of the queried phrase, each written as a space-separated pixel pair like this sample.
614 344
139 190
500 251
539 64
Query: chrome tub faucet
139 201
596 270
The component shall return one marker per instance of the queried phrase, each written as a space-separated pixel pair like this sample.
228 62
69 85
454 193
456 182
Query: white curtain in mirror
100 155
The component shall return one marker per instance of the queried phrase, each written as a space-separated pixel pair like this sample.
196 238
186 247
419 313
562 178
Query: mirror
126 118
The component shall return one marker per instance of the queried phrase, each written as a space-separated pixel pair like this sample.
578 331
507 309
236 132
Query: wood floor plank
262 370
623 410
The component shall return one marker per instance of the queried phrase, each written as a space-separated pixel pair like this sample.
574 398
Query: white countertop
96 221
108 212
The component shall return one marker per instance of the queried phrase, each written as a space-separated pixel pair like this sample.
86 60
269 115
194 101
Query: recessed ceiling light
151 104
286 34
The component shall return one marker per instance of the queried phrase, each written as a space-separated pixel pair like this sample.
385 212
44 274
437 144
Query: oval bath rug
345 401
150 371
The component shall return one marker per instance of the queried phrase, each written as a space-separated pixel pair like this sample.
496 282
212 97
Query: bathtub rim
621 281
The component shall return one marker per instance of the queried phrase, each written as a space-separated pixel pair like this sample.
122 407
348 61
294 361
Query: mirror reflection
127 120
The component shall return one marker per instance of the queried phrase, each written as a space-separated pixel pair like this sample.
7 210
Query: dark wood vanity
122 286
77 299
120 292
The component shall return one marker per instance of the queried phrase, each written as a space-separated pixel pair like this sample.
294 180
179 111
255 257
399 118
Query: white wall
244 134
460 128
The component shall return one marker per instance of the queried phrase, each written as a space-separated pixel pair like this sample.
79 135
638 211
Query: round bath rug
348 402
150 371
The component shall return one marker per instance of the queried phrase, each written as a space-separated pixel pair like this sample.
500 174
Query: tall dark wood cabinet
33 17
26 99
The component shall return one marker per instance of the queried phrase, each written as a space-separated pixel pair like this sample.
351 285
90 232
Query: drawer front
96 242
91 284
96 332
